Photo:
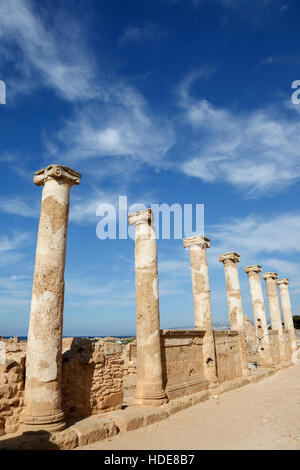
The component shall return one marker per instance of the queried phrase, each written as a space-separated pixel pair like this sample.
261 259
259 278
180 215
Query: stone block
66 439
93 429
113 399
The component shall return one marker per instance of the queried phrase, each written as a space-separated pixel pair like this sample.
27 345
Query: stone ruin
50 381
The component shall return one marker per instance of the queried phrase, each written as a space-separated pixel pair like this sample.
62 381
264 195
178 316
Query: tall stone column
202 305
287 310
234 303
274 310
149 388
259 314
42 409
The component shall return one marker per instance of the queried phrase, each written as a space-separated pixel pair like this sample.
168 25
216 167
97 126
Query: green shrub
296 319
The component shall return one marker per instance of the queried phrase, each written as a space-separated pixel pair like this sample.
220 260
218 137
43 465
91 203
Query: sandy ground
263 415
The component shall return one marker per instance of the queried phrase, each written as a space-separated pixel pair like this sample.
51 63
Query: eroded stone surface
259 314
287 316
202 304
229 359
183 363
234 302
92 380
43 361
149 388
274 311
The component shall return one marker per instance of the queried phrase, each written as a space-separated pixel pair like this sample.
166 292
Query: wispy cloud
19 206
117 123
46 56
256 151
271 242
289 268
13 242
122 127
12 248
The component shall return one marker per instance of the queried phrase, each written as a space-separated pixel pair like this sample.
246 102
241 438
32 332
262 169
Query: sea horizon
216 325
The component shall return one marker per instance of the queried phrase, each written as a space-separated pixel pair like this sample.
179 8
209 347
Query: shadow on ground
31 440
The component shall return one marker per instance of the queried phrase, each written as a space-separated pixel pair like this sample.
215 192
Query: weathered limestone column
202 305
42 409
259 313
274 310
287 310
234 303
149 388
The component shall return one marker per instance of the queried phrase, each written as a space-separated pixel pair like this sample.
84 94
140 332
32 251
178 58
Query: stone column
287 310
202 305
149 388
42 409
234 303
274 310
259 314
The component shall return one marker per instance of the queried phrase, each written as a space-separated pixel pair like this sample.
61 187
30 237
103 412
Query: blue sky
165 101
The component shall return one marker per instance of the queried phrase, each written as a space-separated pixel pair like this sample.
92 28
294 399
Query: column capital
57 172
253 269
198 240
270 276
229 258
142 217
283 281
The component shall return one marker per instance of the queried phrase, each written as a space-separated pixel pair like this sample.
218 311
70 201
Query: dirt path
263 415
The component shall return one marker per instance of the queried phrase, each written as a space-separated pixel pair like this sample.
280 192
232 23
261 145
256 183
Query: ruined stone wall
129 356
287 344
12 374
182 362
251 341
228 355
274 344
92 379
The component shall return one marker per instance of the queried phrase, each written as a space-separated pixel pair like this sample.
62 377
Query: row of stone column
150 390
43 362
259 313
230 261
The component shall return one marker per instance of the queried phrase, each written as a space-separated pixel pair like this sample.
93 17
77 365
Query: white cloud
117 123
257 152
82 208
19 206
15 287
281 265
16 241
12 248
122 127
254 235
45 55
270 242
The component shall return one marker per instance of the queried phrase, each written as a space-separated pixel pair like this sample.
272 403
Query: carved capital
253 269
141 217
282 281
229 258
57 172
197 240
270 276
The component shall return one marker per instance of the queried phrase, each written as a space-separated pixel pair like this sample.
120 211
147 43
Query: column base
48 422
213 383
151 400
